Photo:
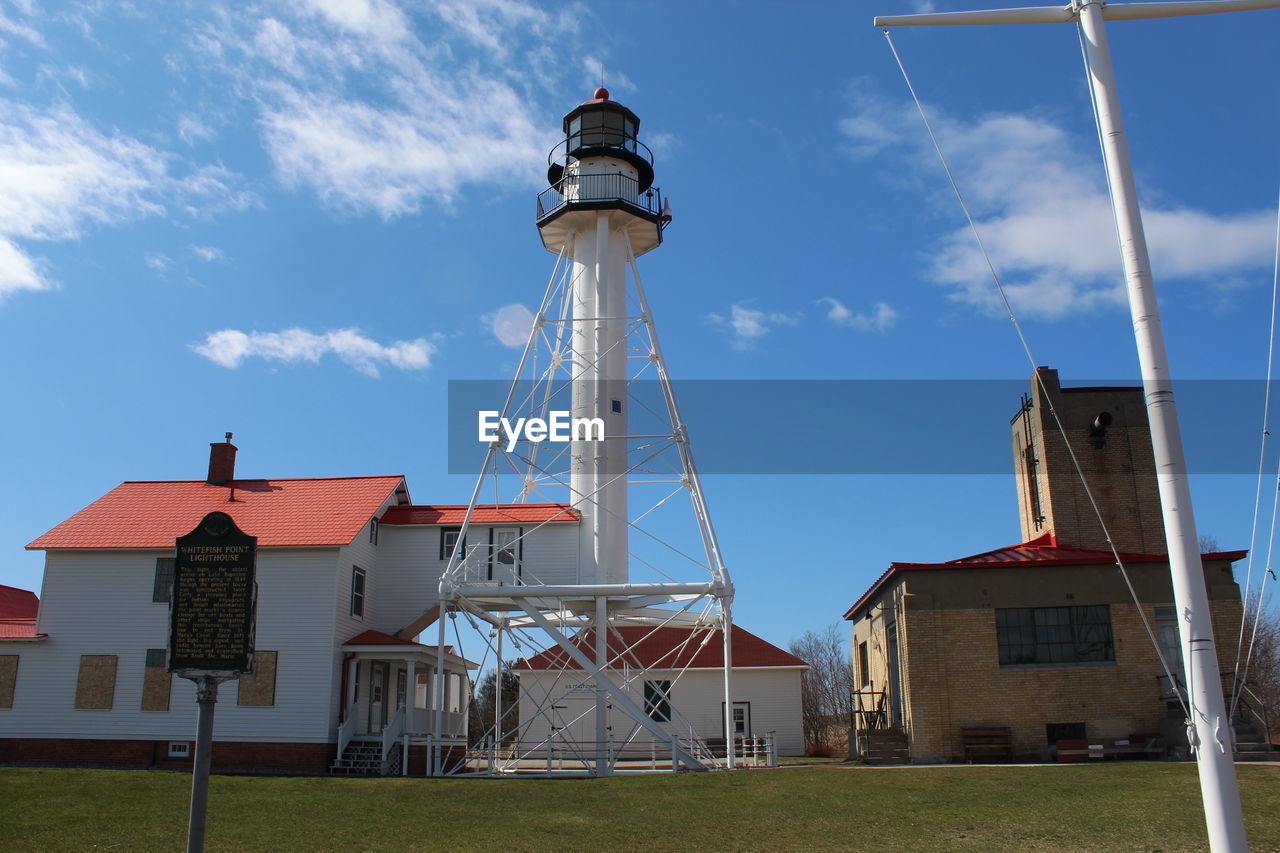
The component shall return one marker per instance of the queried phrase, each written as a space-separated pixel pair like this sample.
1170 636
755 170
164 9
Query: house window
96 683
1054 635
164 580
506 543
8 679
657 700
258 688
179 749
449 541
156 681
864 667
373 531
357 592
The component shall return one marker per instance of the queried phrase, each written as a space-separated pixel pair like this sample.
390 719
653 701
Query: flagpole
1209 729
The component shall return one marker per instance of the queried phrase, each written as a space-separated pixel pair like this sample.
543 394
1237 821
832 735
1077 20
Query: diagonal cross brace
626 703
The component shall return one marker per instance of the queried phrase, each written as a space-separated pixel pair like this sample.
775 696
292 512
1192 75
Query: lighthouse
601 208
642 559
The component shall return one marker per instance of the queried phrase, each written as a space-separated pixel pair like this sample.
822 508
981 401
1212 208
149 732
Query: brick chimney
222 462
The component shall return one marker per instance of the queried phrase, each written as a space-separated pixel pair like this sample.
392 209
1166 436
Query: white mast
1210 730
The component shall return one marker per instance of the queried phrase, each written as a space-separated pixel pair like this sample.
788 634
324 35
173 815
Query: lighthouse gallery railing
587 188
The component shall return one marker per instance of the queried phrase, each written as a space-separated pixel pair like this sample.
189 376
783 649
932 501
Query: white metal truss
585 635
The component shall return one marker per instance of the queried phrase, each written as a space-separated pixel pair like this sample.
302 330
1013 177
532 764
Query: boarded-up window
8 677
96 684
259 688
156 680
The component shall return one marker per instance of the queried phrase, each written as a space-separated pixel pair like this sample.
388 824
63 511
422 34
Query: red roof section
1044 550
307 511
377 638
484 514
18 608
669 648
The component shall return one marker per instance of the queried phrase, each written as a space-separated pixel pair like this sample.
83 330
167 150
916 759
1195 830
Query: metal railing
581 188
483 564
599 138
869 712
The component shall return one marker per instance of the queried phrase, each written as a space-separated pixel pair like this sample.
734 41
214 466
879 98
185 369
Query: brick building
1042 637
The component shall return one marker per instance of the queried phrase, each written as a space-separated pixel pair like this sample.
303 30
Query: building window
96 683
1054 635
373 531
179 749
864 667
357 592
657 700
156 681
164 580
450 540
1054 732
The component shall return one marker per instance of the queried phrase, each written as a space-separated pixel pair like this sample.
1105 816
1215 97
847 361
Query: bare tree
826 688
481 712
1262 648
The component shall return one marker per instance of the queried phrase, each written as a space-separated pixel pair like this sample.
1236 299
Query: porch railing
347 730
391 733
422 722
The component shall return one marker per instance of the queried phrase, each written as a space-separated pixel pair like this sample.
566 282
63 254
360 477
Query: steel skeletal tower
646 554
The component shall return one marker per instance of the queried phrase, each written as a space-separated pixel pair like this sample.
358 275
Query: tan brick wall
1118 465
954 679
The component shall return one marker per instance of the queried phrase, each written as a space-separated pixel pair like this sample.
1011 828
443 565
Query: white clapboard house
347 574
676 674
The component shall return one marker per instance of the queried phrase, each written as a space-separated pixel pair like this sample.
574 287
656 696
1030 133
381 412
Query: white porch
392 690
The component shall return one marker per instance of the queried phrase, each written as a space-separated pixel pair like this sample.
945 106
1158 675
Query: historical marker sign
211 616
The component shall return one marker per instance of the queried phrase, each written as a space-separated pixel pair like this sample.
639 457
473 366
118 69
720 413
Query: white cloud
378 109
1043 212
157 261
230 347
208 254
880 319
747 325
193 129
512 324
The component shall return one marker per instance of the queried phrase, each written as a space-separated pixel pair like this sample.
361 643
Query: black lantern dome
601 128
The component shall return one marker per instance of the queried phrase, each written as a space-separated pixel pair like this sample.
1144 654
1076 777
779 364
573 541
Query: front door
377 696
741 720
505 567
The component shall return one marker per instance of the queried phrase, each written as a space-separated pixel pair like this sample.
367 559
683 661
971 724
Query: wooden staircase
886 746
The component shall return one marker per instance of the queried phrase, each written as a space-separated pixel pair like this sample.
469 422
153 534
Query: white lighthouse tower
646 553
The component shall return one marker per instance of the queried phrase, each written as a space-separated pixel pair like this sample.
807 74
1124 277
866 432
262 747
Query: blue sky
298 221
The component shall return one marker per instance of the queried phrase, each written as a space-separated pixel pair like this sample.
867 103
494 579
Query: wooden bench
987 742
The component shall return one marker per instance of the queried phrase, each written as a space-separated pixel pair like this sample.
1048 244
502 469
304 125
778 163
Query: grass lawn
1118 806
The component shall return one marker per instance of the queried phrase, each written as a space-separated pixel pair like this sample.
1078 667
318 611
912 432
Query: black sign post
211 628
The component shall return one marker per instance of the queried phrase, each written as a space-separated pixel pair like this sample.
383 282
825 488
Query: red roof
18 608
1044 550
18 603
484 514
377 638
308 511
670 648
